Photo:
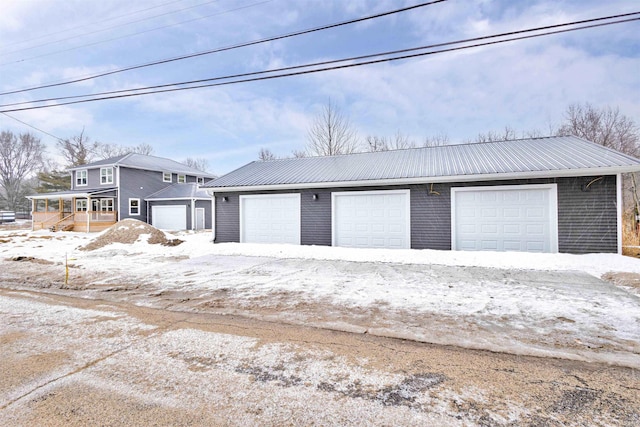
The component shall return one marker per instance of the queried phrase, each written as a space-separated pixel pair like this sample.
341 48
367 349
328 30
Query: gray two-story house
128 186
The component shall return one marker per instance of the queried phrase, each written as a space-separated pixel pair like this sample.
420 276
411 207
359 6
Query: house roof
524 158
179 192
143 161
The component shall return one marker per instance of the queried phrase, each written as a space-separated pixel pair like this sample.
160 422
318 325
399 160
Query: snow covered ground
536 304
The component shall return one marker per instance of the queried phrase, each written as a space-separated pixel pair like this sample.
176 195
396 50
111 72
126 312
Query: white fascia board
175 198
57 196
429 180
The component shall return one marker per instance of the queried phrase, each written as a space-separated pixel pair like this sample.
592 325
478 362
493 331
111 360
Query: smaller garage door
505 218
169 217
273 218
371 219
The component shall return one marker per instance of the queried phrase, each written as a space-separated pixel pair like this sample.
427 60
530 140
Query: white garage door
270 218
371 219
505 218
169 217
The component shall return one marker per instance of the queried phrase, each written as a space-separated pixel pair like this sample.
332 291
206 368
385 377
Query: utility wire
296 73
31 126
108 28
232 47
151 89
102 21
136 34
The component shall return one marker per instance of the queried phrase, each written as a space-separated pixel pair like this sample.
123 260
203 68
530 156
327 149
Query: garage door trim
407 216
553 207
263 196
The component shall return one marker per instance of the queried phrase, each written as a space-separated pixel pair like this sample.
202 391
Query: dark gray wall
586 219
227 226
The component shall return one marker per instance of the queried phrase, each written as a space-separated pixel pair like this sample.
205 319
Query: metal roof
179 191
143 161
534 157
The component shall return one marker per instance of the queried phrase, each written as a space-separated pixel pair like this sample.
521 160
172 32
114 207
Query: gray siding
586 219
315 218
93 180
138 184
227 226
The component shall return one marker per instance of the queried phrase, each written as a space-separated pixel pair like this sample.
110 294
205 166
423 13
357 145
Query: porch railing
51 220
65 223
43 220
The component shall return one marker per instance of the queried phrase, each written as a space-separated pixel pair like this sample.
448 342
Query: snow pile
129 231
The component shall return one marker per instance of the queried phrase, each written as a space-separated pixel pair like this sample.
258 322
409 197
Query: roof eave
435 179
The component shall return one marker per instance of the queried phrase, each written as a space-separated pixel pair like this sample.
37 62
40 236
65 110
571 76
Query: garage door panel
169 217
381 219
512 218
270 218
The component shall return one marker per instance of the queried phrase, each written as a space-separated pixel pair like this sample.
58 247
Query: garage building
554 194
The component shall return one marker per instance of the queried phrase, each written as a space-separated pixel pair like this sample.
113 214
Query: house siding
587 220
227 217
139 184
93 180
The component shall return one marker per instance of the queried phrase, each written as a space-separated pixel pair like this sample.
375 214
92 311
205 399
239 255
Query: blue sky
525 85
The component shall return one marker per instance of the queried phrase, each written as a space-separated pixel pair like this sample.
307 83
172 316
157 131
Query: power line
232 47
31 126
102 21
136 34
152 89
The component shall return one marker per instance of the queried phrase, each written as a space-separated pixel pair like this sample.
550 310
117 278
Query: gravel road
75 361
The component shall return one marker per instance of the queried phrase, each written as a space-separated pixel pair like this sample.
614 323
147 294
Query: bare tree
606 126
398 142
197 163
265 154
298 154
491 136
436 140
77 150
331 133
376 143
20 157
106 151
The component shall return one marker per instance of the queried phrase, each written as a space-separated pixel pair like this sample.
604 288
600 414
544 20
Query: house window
106 205
166 176
81 177
200 180
182 179
106 175
81 205
134 206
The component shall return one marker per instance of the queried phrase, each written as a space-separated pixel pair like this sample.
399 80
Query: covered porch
73 211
